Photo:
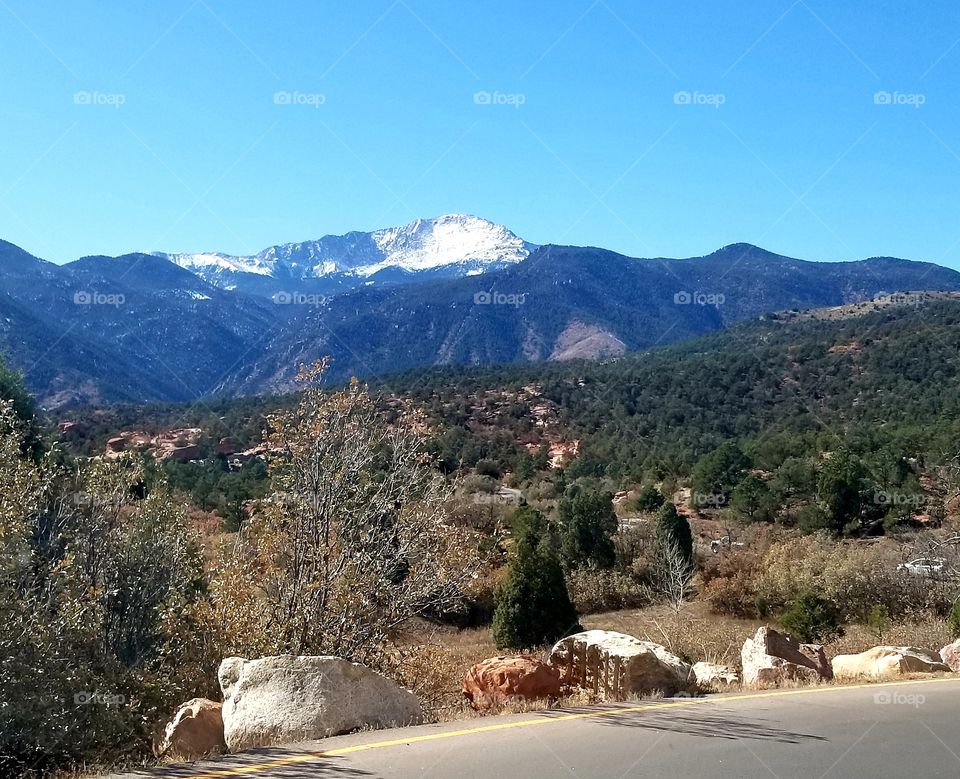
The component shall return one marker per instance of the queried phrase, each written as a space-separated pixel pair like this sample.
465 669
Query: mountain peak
449 244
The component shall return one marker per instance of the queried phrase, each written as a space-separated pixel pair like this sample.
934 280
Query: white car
923 566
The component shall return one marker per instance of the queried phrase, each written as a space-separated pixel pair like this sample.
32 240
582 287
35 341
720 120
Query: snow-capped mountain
451 245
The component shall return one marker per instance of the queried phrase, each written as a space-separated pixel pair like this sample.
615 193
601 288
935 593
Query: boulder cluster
609 666
288 698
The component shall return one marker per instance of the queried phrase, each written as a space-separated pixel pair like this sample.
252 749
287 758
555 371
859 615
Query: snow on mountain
445 240
458 243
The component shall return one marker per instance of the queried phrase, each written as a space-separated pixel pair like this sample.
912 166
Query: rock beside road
711 675
195 731
499 680
289 698
950 655
883 661
614 665
771 658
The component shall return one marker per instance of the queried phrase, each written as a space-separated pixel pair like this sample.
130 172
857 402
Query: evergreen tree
587 527
813 619
532 604
752 500
841 490
717 473
648 499
13 389
673 532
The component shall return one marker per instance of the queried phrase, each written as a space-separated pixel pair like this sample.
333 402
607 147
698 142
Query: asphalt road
903 730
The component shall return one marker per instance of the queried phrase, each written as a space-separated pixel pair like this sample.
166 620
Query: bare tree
353 541
673 572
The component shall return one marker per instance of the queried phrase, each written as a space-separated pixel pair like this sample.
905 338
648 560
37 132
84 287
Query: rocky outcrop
228 446
883 661
184 454
289 698
116 445
195 731
771 658
950 655
710 675
614 665
501 680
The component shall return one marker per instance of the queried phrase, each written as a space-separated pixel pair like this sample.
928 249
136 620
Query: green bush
673 532
812 619
533 606
648 499
587 526
953 620
878 620
597 591
717 473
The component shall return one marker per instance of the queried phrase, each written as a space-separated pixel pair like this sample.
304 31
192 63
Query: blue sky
655 129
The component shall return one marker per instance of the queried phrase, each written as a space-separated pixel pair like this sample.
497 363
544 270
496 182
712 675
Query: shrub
532 604
99 592
812 619
595 591
648 499
878 620
730 587
953 620
753 501
489 468
854 577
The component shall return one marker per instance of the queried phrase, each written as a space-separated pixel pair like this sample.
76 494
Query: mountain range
447 246
451 290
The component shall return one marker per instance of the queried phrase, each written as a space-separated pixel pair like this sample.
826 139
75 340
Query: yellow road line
308 757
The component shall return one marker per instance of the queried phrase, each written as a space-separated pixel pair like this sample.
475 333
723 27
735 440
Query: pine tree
532 604
587 526
674 530
674 554
13 389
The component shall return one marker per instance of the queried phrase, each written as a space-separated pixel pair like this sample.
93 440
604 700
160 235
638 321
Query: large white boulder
289 698
771 658
882 661
615 665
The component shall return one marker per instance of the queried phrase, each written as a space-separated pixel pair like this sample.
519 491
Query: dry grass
693 633
928 633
